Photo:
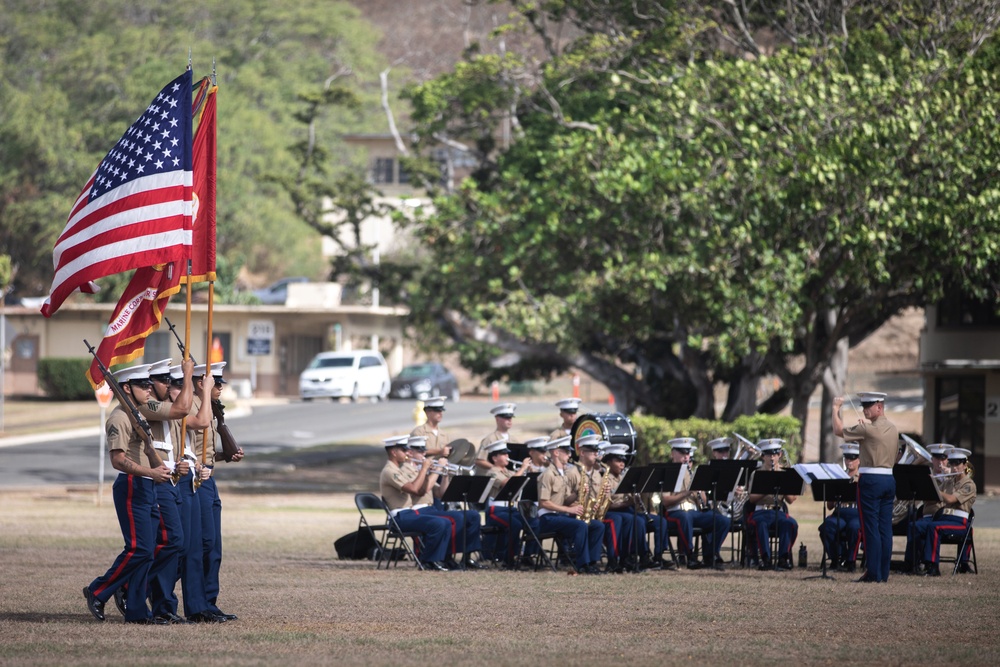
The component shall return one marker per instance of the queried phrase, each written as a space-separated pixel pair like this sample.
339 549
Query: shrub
652 434
65 379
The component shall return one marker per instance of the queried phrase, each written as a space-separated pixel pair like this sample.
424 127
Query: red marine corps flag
138 314
135 210
203 215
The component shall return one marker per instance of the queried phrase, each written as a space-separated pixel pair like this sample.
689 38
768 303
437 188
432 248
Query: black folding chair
962 542
397 542
369 501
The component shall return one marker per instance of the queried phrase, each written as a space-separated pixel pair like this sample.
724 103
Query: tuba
913 454
745 450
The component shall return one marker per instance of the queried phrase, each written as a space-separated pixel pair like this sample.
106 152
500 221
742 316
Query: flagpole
208 369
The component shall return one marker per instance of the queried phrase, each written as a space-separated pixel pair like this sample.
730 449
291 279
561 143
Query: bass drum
614 427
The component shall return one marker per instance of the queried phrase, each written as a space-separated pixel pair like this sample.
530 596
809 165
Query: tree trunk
742 396
834 378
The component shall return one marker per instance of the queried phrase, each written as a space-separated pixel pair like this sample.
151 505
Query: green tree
672 215
71 81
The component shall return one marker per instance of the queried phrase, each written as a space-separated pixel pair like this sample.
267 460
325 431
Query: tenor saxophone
595 507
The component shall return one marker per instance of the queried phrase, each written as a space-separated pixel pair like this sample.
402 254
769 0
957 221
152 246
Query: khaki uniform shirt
157 413
878 442
391 482
495 436
965 492
435 439
122 437
560 489
200 436
559 433
427 498
501 475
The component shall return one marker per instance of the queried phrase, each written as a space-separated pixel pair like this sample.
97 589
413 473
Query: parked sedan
424 380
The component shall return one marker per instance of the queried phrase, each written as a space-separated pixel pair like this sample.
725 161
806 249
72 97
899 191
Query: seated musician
559 509
720 448
771 513
465 533
958 492
625 521
939 466
538 456
504 515
686 510
841 531
398 484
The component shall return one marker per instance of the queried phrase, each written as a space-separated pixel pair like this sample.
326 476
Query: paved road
72 458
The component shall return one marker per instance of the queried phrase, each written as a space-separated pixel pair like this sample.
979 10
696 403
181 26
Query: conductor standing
877 438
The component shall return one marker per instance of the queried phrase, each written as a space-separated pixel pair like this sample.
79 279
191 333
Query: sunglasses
142 384
851 457
569 412
505 416
940 457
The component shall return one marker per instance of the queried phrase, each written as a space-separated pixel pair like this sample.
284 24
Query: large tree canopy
683 206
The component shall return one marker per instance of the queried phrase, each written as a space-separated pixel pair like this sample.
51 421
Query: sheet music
814 471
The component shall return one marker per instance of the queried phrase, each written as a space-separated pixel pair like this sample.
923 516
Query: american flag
135 210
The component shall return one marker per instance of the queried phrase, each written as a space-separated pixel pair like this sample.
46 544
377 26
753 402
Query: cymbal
463 452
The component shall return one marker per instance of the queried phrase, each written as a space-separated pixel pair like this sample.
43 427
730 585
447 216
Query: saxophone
595 507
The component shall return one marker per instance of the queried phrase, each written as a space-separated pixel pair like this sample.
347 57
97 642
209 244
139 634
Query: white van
362 373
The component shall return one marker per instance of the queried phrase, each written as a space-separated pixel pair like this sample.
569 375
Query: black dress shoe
172 619
156 620
120 594
435 566
95 606
784 563
206 617
452 564
764 565
473 564
224 616
866 579
932 570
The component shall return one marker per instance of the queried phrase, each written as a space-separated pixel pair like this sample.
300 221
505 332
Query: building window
160 345
404 176
382 170
960 310
960 416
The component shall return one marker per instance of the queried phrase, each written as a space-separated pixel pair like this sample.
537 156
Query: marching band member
568 408
627 522
939 466
720 448
399 484
504 514
560 509
878 439
437 441
504 416
958 492
465 533
206 447
845 521
538 458
684 511
771 514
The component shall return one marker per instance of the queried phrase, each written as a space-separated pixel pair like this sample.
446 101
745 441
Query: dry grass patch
298 605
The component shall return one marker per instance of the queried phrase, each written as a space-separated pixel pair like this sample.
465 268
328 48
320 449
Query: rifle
139 423
229 446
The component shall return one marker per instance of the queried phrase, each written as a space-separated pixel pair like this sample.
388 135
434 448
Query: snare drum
614 427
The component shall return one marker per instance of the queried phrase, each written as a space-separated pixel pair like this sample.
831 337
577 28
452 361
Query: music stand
828 491
507 494
631 482
913 483
776 483
709 479
460 490
529 494
661 477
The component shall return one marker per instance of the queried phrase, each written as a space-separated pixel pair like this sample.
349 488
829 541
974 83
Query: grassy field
299 605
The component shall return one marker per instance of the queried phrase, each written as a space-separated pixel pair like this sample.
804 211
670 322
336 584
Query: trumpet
450 469
516 465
